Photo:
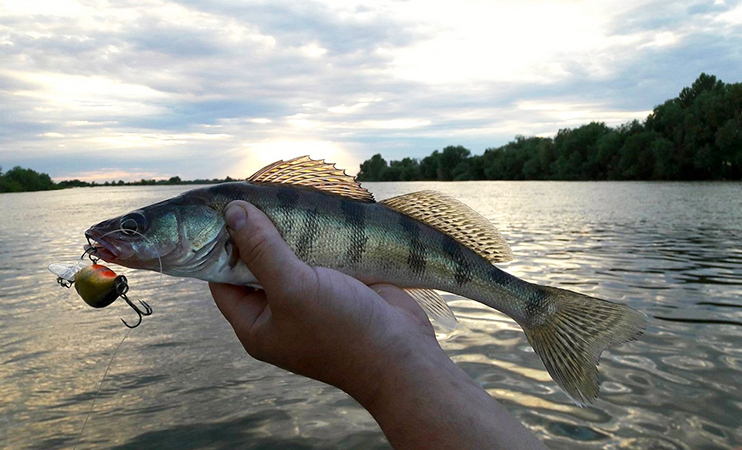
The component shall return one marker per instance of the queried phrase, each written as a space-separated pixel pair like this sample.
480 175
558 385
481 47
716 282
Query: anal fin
435 307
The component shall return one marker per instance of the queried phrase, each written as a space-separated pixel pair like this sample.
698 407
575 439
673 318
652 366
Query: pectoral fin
233 252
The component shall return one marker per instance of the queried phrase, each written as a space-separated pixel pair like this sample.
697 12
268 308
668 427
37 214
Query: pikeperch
423 241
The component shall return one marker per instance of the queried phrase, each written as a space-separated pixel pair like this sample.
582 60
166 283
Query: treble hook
122 287
90 251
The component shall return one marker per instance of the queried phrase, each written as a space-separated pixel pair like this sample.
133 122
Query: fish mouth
100 247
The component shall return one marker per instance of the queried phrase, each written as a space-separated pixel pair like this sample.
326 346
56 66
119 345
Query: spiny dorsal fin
304 171
457 220
435 307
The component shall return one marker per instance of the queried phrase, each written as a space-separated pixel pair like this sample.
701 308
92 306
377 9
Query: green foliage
696 136
429 166
73 183
371 169
377 169
19 179
451 160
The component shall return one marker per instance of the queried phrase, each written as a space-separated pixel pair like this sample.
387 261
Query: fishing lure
97 285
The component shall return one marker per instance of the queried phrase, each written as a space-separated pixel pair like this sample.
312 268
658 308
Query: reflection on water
181 380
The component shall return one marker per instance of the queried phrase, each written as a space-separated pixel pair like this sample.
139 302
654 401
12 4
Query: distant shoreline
19 179
403 182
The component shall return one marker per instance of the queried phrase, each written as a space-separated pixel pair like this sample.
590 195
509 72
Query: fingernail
236 216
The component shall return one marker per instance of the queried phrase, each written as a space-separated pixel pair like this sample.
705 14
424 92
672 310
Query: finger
240 305
264 251
392 294
399 298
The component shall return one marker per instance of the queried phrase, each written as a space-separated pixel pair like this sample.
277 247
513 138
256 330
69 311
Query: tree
371 169
450 158
729 142
429 166
406 170
704 83
19 179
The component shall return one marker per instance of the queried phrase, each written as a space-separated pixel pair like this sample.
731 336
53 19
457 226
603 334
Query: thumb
265 252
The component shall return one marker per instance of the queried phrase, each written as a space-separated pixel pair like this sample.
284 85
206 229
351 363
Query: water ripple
181 380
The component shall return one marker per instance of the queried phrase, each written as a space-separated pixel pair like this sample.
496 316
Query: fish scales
377 243
329 221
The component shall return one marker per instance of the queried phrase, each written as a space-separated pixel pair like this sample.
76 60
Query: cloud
200 89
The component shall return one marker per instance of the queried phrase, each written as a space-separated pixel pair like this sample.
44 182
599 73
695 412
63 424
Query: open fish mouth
101 248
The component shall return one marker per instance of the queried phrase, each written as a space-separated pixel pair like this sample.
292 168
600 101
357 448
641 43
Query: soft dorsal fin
304 171
457 220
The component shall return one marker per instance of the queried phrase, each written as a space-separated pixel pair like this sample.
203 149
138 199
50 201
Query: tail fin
572 338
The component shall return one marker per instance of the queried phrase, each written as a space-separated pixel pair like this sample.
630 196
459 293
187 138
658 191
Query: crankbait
97 285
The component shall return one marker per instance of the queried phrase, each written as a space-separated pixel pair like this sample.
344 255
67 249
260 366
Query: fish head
174 235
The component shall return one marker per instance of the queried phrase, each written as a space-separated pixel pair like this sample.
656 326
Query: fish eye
132 224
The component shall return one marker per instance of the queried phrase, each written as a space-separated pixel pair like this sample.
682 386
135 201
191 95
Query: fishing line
115 352
92 404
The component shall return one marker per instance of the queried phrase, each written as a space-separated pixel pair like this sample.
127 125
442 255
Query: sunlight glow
254 156
302 120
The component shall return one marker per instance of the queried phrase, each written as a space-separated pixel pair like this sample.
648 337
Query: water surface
182 380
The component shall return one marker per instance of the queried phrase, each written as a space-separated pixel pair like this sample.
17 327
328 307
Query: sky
131 89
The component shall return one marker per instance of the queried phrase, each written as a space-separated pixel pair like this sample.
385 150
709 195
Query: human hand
374 342
318 322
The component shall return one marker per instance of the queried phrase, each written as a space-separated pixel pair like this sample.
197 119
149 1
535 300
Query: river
183 381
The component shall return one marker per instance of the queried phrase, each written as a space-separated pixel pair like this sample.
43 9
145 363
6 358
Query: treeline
19 179
696 136
142 182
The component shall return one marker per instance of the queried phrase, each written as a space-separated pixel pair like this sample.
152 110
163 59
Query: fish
423 242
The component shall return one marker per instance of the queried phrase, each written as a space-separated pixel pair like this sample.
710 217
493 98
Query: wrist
427 401
402 377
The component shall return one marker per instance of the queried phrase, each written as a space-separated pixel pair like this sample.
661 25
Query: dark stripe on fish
416 250
287 199
308 236
355 221
454 250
